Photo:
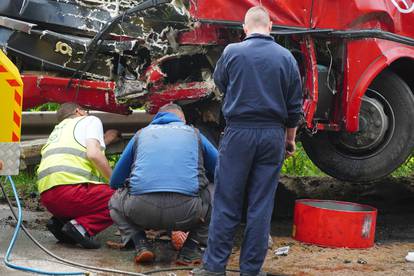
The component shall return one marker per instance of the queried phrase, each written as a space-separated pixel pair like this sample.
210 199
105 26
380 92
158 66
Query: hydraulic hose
15 235
48 252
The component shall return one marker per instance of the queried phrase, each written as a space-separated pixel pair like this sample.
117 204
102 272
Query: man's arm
220 73
294 108
210 154
112 136
123 166
97 157
290 144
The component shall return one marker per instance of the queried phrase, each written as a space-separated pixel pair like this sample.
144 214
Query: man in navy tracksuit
262 106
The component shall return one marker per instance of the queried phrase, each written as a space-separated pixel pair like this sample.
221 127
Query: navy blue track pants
249 163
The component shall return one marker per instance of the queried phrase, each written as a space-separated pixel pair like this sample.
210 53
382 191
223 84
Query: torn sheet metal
15 24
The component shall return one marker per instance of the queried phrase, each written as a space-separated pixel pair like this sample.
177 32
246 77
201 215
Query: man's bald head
257 20
173 108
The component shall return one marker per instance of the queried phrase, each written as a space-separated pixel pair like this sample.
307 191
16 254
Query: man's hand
97 157
112 136
290 144
290 148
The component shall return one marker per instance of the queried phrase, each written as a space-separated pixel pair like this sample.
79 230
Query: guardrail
36 127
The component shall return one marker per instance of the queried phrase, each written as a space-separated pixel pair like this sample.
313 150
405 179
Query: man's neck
258 31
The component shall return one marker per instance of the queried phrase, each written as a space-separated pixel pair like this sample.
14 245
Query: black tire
340 154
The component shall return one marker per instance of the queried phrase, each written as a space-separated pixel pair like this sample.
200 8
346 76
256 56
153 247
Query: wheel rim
377 126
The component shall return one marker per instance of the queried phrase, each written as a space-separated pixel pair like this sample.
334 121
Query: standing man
262 106
71 177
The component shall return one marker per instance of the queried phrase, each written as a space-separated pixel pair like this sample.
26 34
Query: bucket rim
369 208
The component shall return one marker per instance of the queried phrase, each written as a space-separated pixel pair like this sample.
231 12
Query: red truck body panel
323 14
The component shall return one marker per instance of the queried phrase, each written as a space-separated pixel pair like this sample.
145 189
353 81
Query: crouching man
162 184
71 177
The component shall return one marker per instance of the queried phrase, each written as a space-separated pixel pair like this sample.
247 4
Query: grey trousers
167 211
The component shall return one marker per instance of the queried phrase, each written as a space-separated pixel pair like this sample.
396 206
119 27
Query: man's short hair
170 107
66 110
257 17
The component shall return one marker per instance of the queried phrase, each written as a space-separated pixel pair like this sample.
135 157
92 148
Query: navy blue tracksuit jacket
262 96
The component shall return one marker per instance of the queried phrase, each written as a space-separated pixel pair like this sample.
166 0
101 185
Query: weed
300 165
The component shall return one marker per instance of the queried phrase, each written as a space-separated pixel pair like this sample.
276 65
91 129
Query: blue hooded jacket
154 160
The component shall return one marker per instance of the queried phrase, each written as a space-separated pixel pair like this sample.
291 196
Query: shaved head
257 20
173 108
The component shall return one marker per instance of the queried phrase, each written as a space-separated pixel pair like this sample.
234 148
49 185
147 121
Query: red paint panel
13 83
97 95
16 119
363 14
311 99
282 12
2 69
324 14
17 98
366 59
204 35
162 95
15 138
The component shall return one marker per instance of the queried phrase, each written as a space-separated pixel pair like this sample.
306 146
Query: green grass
407 169
300 165
25 184
46 107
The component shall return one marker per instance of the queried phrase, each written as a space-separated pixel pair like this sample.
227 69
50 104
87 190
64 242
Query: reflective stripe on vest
64 160
67 169
70 151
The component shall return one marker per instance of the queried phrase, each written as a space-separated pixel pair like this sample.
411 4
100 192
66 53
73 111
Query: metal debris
282 251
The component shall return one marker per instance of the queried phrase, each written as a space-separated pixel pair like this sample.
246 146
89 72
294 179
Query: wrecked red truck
356 59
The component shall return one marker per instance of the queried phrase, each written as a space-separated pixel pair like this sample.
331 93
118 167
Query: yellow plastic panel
11 100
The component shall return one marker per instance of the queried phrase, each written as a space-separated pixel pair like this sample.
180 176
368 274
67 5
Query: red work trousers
86 203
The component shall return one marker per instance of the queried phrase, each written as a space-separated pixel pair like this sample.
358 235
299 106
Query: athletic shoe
86 241
178 239
144 254
190 254
55 225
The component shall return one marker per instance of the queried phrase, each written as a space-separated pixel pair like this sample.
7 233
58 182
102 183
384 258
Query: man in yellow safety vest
72 177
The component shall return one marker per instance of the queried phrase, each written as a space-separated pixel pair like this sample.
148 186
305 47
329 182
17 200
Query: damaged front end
132 45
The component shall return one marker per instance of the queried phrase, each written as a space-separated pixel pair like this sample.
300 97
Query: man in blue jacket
162 179
262 106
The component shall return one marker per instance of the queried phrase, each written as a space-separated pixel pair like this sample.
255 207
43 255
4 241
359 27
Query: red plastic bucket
334 223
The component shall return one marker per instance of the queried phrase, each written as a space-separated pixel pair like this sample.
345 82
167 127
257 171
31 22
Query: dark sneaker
85 241
190 254
144 254
55 225
203 272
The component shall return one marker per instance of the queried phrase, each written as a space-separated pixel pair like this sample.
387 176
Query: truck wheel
385 139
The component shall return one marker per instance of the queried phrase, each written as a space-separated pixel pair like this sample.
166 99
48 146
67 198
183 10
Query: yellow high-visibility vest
64 160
